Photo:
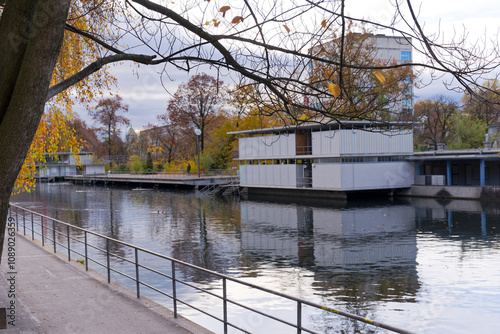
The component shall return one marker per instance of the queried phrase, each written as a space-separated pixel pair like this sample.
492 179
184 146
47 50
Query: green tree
470 132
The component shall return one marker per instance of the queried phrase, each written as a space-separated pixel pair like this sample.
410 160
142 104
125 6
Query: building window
405 56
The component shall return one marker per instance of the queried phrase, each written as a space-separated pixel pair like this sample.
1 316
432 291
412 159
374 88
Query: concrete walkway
55 296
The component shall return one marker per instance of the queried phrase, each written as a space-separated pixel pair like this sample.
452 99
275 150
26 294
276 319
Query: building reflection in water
358 254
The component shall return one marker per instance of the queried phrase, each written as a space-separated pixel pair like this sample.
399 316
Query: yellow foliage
54 133
334 89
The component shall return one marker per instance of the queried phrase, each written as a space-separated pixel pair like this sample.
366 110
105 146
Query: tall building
398 49
361 53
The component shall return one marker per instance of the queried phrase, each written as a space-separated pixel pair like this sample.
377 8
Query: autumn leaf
379 76
216 23
286 28
224 9
329 73
323 23
334 89
237 19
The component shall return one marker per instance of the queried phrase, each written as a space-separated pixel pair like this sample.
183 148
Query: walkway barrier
77 241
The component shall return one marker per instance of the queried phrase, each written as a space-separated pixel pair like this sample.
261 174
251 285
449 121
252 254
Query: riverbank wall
453 192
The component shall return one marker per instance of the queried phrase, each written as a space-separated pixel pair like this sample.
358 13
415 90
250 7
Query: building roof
456 154
313 126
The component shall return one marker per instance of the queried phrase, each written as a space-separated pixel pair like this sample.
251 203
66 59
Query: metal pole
107 260
198 152
24 222
69 247
32 228
137 273
174 292
299 317
43 234
224 303
17 220
86 253
54 234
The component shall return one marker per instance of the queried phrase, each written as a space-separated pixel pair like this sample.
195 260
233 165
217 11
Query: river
425 265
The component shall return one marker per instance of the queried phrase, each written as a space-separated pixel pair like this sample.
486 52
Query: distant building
62 164
478 167
340 158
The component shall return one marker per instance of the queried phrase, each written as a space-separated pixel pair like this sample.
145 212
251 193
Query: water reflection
359 254
378 259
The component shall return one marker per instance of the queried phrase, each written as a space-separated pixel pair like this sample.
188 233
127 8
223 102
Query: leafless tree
267 43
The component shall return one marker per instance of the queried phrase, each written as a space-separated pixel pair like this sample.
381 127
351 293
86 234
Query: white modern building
348 157
62 164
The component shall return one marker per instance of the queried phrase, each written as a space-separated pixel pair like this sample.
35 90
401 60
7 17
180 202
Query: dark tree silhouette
106 115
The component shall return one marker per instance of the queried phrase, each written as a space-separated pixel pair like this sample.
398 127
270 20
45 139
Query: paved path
55 296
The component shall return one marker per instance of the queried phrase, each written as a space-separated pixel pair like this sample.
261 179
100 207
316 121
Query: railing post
54 233
69 247
86 252
107 260
43 234
137 287
299 317
32 227
17 220
224 303
24 222
174 292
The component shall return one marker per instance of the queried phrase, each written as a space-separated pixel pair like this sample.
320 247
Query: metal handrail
174 263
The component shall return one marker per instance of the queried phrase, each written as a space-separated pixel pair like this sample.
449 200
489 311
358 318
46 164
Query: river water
424 265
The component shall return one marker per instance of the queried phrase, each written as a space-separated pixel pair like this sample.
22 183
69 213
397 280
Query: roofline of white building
324 126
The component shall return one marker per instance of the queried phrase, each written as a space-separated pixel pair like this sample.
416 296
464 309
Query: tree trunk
31 34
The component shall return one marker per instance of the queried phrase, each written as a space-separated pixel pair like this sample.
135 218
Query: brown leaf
237 19
224 9
286 28
323 23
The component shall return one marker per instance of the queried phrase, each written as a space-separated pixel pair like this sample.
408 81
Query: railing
57 234
180 173
303 150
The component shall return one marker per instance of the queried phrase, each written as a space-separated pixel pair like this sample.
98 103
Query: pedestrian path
56 296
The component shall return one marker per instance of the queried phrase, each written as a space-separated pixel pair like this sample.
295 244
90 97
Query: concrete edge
124 291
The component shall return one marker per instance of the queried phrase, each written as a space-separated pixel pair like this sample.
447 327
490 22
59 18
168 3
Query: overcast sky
146 96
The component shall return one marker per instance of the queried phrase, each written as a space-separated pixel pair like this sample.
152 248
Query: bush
135 164
158 166
120 169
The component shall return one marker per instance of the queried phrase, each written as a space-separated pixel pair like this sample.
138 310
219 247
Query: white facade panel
337 142
326 143
267 146
377 175
243 174
94 169
326 176
366 142
268 175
